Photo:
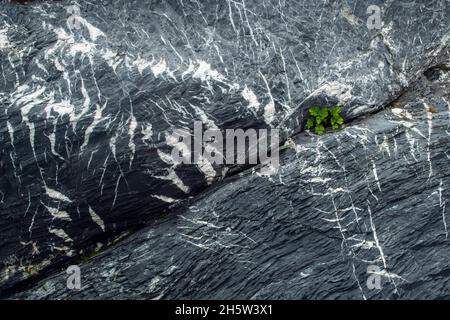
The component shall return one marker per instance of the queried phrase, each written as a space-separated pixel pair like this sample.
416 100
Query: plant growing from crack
319 117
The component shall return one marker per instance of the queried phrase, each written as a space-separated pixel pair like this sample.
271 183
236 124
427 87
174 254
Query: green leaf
314 111
323 113
318 120
335 111
309 123
320 129
336 118
323 116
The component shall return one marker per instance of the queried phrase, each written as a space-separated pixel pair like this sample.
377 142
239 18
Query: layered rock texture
90 94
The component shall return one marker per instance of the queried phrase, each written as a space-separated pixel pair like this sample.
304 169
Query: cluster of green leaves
319 117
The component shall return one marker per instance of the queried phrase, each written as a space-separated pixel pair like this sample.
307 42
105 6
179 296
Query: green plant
320 116
336 119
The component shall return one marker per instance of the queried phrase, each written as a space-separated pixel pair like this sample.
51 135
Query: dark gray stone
85 113
371 194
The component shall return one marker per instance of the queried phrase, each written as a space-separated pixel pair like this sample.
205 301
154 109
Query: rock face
91 93
373 194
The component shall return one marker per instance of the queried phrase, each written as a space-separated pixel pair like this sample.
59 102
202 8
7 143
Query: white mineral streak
164 198
96 218
61 234
250 96
269 109
56 195
4 42
58 214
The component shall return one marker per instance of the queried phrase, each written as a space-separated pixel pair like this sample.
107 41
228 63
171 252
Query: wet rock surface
372 194
88 106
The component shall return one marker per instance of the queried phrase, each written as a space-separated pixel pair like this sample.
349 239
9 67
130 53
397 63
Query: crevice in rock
414 91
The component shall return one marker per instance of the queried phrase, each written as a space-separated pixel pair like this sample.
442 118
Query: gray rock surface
88 103
373 194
